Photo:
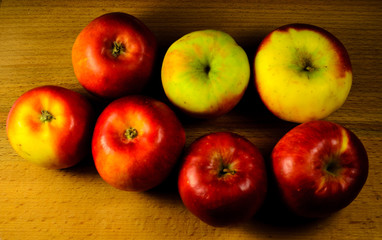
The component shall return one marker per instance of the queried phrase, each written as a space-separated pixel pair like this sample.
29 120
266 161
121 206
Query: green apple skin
205 73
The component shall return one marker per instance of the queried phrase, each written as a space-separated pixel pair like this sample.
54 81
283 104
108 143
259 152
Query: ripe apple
320 168
51 126
302 72
114 55
222 179
205 73
136 142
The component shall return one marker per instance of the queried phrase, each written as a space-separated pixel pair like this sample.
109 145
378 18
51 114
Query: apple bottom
312 206
227 214
135 174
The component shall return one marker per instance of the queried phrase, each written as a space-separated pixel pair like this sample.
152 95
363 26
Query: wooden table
36 38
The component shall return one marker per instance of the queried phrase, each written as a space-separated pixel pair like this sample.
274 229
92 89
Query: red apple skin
109 76
144 161
217 198
320 168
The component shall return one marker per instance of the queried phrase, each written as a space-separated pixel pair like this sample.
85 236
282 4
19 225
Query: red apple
114 55
320 168
51 126
222 179
136 142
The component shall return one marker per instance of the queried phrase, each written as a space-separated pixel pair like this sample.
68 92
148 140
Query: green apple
205 73
302 72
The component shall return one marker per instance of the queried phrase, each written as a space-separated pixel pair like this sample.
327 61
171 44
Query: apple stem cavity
226 169
307 65
309 69
332 167
304 62
131 133
207 69
118 49
46 116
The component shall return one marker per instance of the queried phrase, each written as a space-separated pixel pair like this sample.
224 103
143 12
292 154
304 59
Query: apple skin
136 143
302 72
320 167
51 126
101 68
222 179
205 73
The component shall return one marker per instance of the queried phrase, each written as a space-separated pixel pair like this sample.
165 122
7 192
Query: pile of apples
302 74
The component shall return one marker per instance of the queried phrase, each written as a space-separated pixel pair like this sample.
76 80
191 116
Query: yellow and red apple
51 126
205 73
302 72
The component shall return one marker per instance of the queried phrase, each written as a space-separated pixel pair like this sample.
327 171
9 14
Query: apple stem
131 133
226 170
309 68
118 49
46 116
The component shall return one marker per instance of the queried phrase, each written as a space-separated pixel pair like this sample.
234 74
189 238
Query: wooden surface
36 38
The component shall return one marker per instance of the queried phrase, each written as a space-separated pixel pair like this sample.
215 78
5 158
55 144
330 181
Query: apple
320 167
114 55
205 73
222 179
51 126
137 141
302 73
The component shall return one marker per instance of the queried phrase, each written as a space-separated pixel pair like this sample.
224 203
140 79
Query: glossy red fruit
223 179
136 142
113 55
320 168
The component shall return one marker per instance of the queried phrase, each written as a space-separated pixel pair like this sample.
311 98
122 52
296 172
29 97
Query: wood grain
35 49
